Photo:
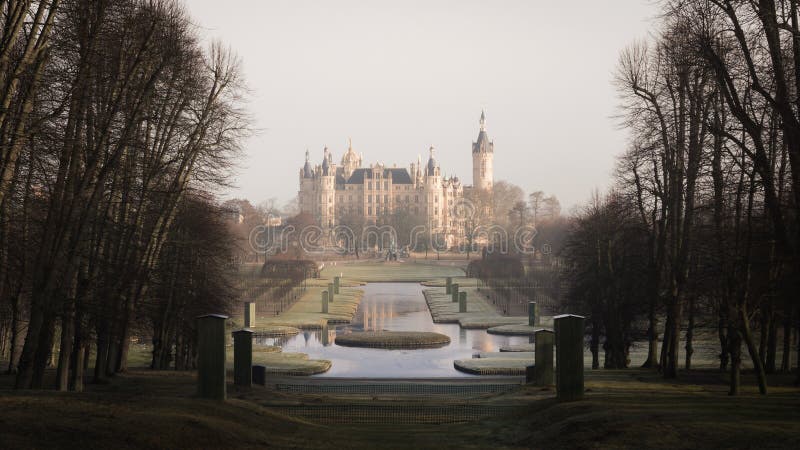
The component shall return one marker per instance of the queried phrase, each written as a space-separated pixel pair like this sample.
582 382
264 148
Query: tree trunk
65 351
735 351
758 365
690 335
724 342
652 337
594 345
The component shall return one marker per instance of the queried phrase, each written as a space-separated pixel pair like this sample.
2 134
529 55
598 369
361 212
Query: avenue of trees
702 223
115 124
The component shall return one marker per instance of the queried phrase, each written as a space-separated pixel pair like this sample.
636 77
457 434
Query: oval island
393 339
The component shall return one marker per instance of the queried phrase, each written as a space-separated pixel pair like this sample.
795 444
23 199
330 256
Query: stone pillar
331 291
454 291
533 314
249 314
336 282
462 302
211 356
569 356
543 366
324 302
243 357
448 284
260 375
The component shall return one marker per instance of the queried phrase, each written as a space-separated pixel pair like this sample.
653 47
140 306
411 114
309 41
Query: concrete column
211 356
336 282
569 356
331 291
260 375
533 314
448 284
249 314
543 365
454 291
324 302
243 357
462 302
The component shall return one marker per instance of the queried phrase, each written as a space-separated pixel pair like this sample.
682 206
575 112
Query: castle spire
483 121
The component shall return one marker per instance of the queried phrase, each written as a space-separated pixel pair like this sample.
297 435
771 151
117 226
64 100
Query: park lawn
385 271
306 313
480 314
622 409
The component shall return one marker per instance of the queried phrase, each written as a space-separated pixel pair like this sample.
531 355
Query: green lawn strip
493 366
385 271
290 363
506 355
393 339
517 348
306 313
479 313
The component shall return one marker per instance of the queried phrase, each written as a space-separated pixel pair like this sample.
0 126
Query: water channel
393 307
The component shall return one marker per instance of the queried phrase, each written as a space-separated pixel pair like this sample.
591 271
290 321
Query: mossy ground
393 339
622 409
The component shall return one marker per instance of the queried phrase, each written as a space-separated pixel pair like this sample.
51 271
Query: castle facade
332 193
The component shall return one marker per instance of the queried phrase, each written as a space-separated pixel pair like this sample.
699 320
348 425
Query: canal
393 307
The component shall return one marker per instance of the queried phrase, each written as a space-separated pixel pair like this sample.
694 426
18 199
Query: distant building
330 191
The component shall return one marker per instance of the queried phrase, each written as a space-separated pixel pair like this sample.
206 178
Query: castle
332 193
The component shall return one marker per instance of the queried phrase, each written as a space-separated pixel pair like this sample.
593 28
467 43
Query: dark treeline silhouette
114 123
702 222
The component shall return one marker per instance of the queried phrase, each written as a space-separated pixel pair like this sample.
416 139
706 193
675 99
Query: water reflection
393 307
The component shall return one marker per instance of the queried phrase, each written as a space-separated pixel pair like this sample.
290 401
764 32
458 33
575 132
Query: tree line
701 223
116 123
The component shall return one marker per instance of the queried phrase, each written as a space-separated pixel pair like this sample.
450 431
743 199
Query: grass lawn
622 409
384 271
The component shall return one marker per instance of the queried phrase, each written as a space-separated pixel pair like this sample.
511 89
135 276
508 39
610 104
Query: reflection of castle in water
374 317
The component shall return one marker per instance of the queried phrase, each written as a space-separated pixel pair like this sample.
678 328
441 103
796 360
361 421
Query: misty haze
418 224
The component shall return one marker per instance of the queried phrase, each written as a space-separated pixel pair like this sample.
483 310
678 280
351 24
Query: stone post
331 291
336 282
454 291
249 314
533 314
448 284
543 357
260 375
324 302
569 356
462 302
243 357
211 356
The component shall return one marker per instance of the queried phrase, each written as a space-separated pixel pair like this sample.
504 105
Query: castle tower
482 159
327 191
433 192
350 161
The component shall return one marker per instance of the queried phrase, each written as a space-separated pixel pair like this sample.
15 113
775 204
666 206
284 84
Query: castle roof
399 175
431 164
483 144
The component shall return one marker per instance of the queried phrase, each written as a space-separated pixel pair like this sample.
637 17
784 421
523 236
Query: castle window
407 199
369 210
385 199
416 199
369 185
369 199
386 185
398 199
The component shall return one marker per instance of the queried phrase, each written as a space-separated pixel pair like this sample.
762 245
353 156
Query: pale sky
399 76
